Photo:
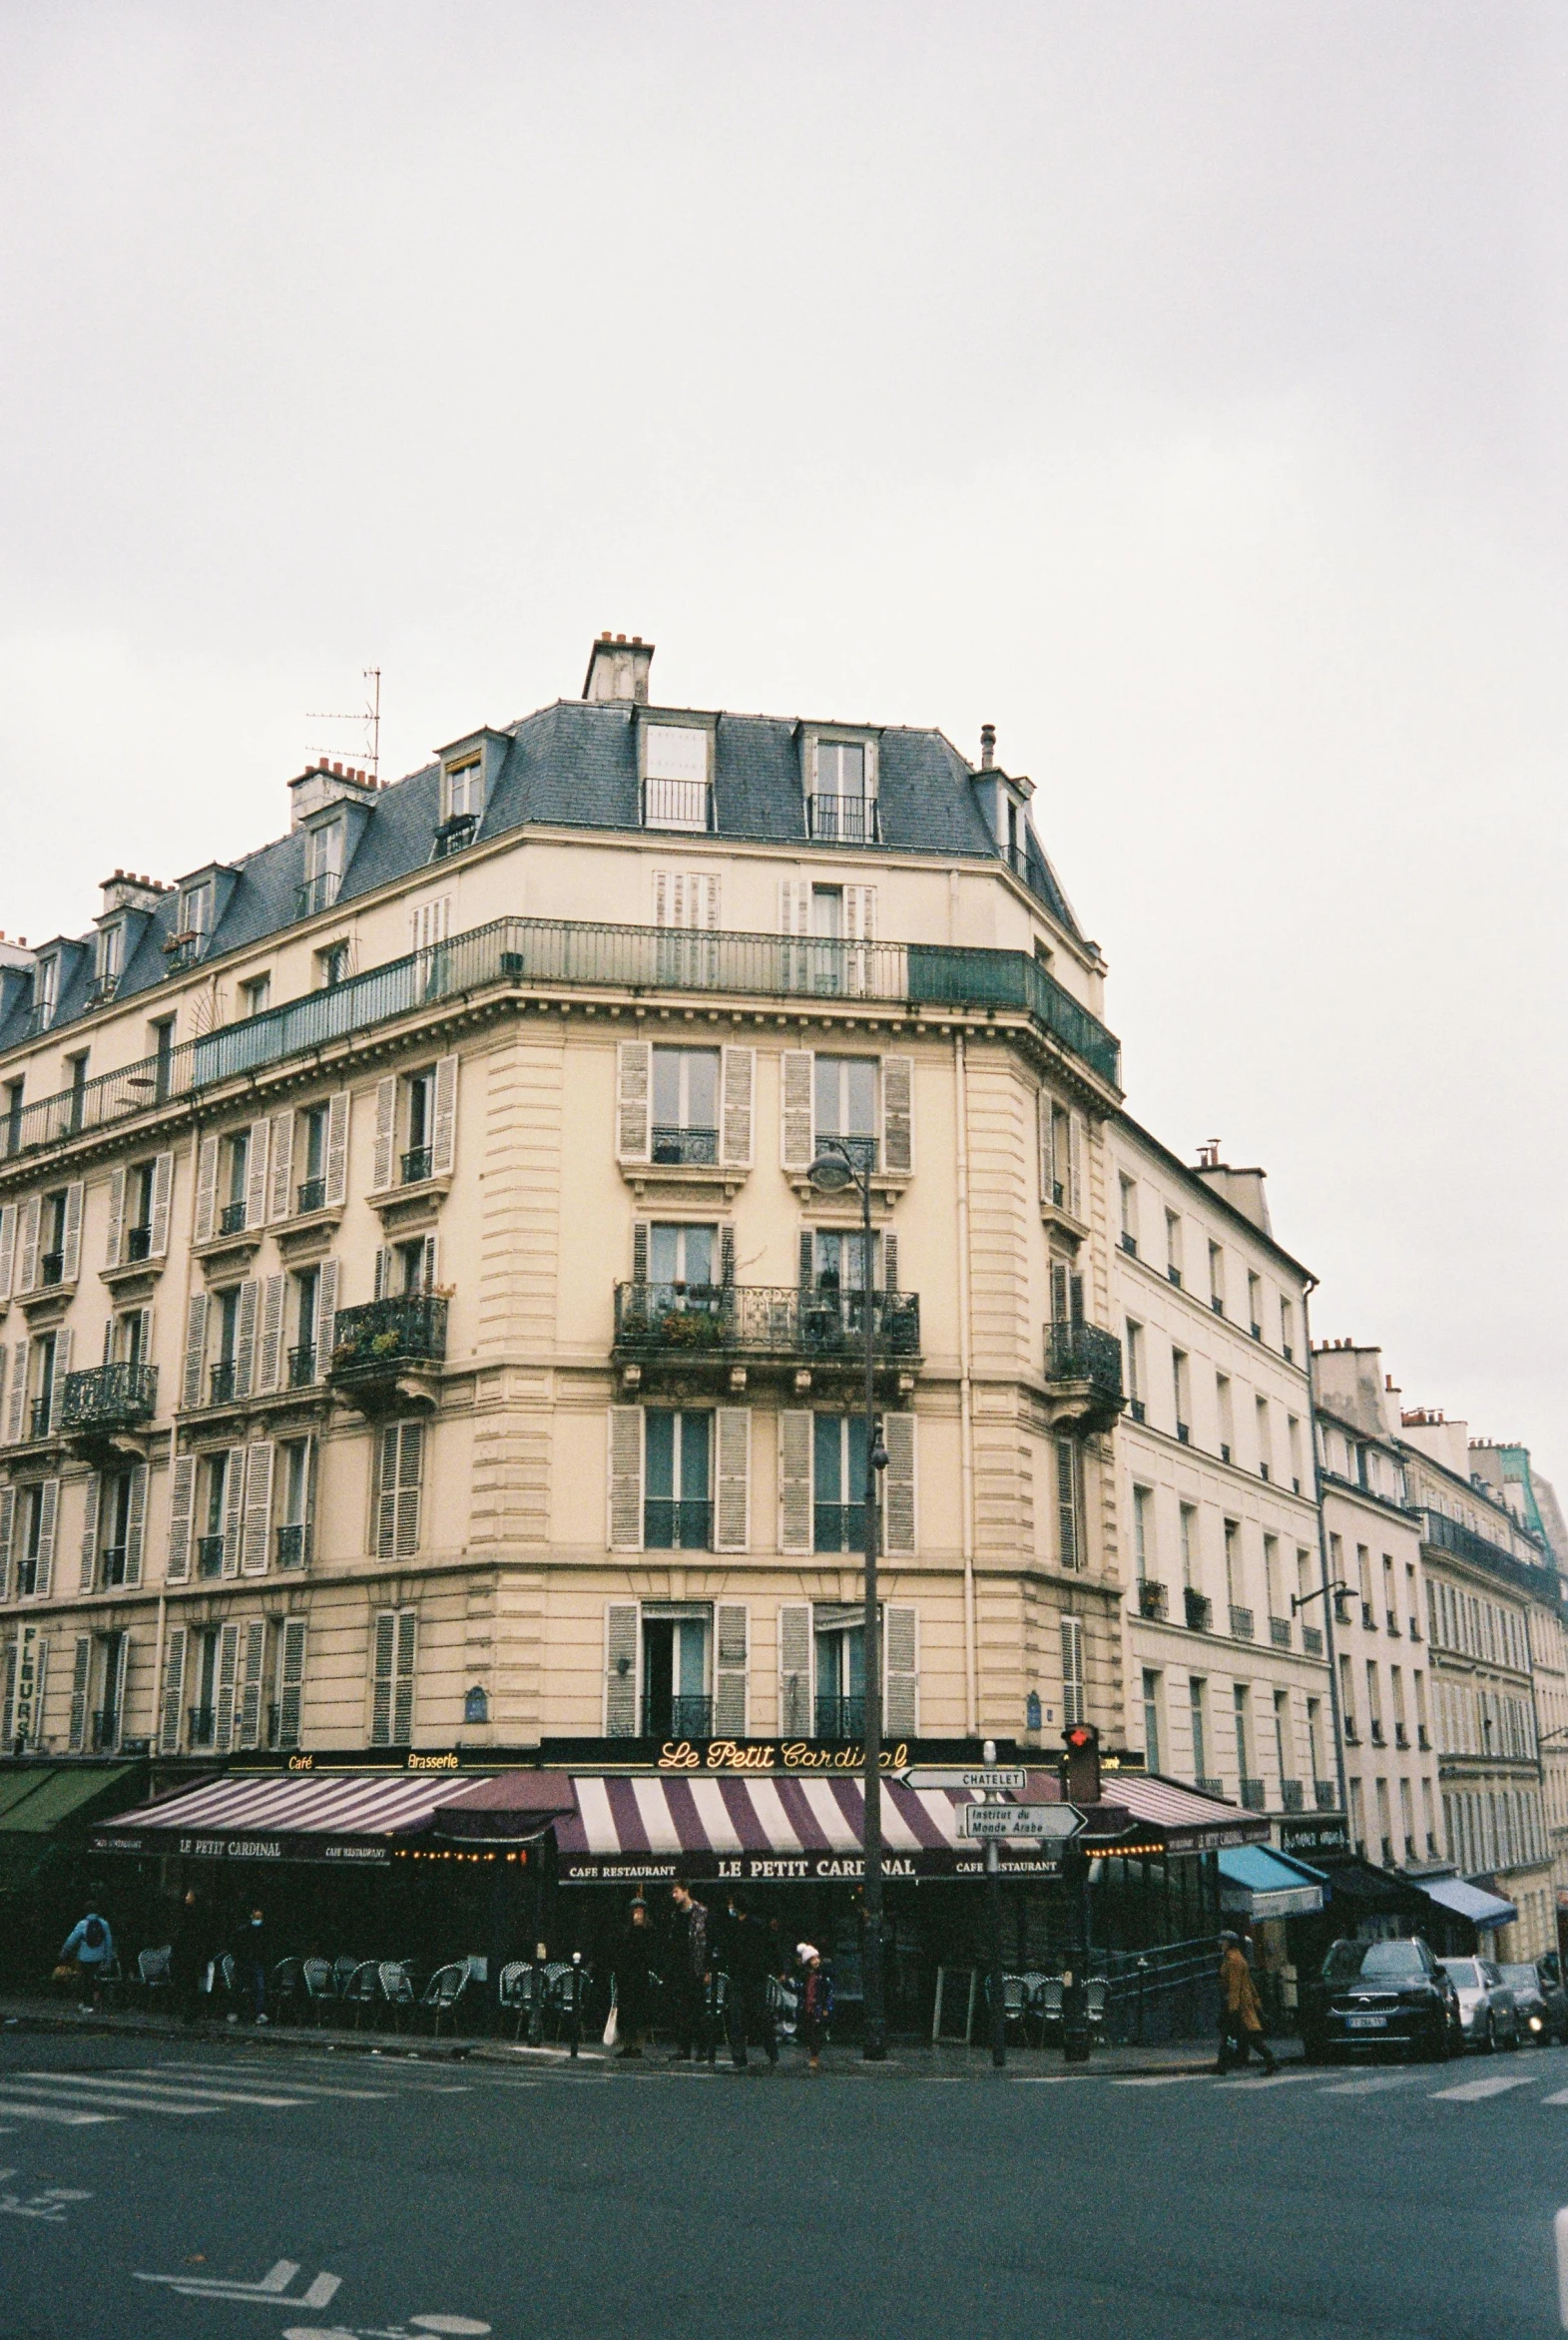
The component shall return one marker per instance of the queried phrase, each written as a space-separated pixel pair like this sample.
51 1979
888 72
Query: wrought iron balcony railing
1085 1353
383 1334
51 1267
301 1367
844 819
317 893
208 1555
1151 1597
680 1715
40 1414
677 1525
221 1382
1253 1795
109 1396
139 1242
291 1545
415 1166
1241 1623
681 1146
201 1726
557 951
839 1528
840 1718
231 1219
1327 1794
1198 1609
1290 1796
110 1566
677 804
106 1730
311 1195
1280 1632
1313 1640
762 1321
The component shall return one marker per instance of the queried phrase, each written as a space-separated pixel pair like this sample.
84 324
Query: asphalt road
395 2200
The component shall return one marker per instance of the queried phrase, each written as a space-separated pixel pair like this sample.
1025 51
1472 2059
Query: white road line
1561 2097
19 2109
196 2073
1473 2092
152 2092
1386 2079
1030 2079
116 2100
1165 2080
1271 2080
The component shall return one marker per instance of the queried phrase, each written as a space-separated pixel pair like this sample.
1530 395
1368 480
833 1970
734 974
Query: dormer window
677 790
464 789
324 861
46 991
840 801
110 963
196 911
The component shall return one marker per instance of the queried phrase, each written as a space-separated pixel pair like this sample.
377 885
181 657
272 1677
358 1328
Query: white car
1486 2007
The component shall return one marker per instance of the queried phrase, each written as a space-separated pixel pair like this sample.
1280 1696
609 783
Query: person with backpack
90 1945
816 2004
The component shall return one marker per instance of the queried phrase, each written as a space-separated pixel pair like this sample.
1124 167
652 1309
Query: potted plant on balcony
689 1328
1151 1597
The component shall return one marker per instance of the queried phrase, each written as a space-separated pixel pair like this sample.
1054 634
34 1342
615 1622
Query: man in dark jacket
691 1975
249 1954
750 1955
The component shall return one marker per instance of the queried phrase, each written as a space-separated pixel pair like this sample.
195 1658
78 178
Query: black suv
1374 1994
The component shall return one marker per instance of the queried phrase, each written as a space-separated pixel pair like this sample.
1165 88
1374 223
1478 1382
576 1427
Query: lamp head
830 1174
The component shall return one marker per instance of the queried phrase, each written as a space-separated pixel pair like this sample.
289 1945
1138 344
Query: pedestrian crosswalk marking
1162 2079
155 2092
16 2108
1473 2091
223 2080
1272 2080
111 2099
1561 2097
1370 2087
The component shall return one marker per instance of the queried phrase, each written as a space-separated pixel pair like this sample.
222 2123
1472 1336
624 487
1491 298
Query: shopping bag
63 1974
612 2028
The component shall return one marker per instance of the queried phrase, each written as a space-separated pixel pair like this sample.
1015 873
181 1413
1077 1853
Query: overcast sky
1179 388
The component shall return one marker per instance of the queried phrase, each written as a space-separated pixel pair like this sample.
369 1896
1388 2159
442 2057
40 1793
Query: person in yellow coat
1240 2016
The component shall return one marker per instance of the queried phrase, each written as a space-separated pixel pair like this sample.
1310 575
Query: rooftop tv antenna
370 715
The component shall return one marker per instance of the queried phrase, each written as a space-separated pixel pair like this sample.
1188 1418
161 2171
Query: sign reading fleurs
774 1755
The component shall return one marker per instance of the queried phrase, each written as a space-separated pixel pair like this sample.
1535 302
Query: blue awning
1469 1901
1258 1883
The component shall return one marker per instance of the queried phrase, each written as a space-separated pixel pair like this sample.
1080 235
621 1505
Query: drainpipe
965 1393
1322 1561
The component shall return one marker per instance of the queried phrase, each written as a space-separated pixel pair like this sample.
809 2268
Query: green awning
59 1793
15 1785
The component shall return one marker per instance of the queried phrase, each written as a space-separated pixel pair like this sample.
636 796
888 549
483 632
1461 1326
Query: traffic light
1082 1742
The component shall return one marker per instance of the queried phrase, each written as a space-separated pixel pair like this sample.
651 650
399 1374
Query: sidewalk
907 2058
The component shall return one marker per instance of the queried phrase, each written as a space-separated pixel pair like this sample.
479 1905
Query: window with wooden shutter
255 1174
195 1351
225 1705
733 1480
326 1317
71 1234
337 1147
795 1481
900 1671
7 1532
31 1221
205 1189
253 1664
1076 1199
65 1342
898 1505
16 1405
182 1515
48 1523
794 906
257 1508
385 1132
89 1568
162 1191
116 1217
738 1084
81 1672
291 1682
897 1086
1072 1671
244 1337
136 1525
626 1478
281 1203
795 1125
794 1668
269 1359
730 1637
7 1251
1069 1528
620 1638
633 1101
443 1142
234 1508
397 1499
383 1655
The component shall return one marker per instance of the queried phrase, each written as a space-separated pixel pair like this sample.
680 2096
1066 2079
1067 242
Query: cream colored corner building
420 1326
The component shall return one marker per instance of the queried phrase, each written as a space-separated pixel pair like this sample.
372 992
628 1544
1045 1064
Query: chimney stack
618 668
987 747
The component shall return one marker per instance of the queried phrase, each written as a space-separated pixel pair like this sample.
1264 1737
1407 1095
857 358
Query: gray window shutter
174 1692
444 1144
1044 1142
403 1678
326 1317
795 1481
337 1147
7 1530
729 1669
205 1189
726 1254
282 1202
888 1261
639 1251
89 1536
1069 1542
113 1693
269 1362
897 1113
633 1101
733 1480
65 1342
233 1509
796 1135
48 1523
257 1508
251 1667
626 1478
735 1116
244 1338
1075 1167
224 1713
1072 1671
900 1672
32 1212
116 1217
136 1525
860 913
386 1496
383 1270
16 1411
255 1174
794 1668
163 1190
7 1251
621 1639
429 1263
181 1512
79 1679
794 906
806 1262
383 1655
291 1682
410 1469
195 1351
70 1238
898 1520
385 1135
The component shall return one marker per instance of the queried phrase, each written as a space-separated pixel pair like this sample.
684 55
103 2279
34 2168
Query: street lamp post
842 1162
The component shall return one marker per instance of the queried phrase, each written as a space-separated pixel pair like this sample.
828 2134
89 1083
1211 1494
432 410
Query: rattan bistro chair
520 1993
364 1989
442 1993
152 1971
344 1973
282 1988
320 1990
397 1988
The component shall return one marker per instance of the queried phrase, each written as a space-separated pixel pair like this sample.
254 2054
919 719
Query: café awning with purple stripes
351 1818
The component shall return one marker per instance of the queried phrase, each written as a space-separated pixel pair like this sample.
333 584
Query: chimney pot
987 747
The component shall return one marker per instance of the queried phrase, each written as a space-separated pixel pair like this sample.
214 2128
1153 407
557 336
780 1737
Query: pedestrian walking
632 1968
249 1956
1240 2015
816 2004
693 1975
189 1952
89 1947
749 2013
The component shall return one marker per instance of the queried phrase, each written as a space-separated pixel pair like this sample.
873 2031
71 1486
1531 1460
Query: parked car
1539 2024
1376 1994
1487 2004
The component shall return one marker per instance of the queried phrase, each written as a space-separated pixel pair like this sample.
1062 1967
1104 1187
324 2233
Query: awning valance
1183 1820
352 1818
1256 1883
1483 1909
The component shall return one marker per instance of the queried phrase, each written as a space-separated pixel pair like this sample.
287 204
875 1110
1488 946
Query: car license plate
1367 2022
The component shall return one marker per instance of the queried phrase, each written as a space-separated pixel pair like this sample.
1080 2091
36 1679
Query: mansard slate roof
573 765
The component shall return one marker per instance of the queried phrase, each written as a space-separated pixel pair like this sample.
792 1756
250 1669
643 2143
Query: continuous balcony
734 1327
1083 1377
388 1353
556 954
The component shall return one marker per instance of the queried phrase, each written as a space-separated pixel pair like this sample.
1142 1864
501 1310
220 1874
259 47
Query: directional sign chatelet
984 1780
1051 1823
